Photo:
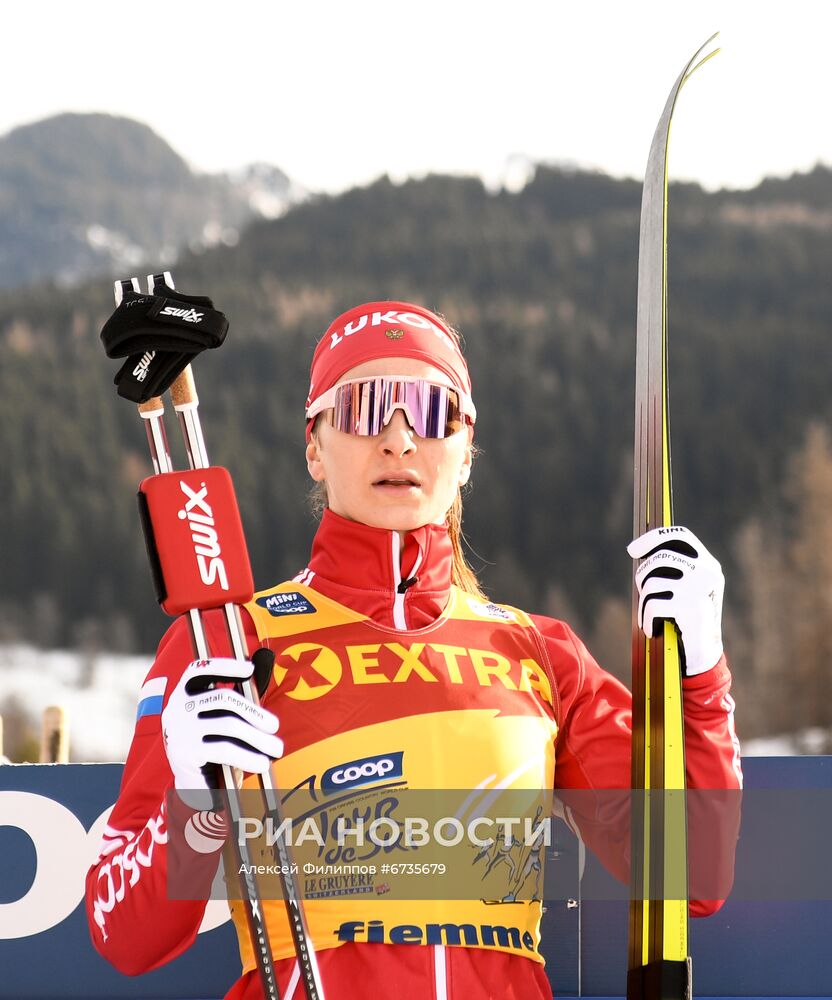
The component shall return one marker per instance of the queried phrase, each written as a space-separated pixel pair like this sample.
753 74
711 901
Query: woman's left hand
679 580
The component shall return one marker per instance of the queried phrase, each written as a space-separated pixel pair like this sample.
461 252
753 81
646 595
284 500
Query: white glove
217 726
680 581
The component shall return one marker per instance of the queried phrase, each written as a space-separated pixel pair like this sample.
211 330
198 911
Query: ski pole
213 524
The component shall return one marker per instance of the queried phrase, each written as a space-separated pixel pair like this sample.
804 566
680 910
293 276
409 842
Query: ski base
664 979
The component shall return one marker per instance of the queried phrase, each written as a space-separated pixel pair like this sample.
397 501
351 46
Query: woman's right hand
205 724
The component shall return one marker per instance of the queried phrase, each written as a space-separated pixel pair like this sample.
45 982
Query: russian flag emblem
151 696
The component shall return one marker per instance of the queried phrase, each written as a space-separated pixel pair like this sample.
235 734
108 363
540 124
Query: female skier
391 664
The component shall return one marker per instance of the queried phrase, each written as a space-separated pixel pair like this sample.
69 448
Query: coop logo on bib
365 771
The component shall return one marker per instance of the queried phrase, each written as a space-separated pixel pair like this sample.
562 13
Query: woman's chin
399 518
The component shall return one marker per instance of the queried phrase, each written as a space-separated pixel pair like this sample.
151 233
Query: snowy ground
101 714
804 743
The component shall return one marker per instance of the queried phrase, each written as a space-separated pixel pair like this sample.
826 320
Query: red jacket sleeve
134 923
594 747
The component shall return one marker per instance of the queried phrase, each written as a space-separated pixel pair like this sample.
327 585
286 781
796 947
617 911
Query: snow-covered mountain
87 194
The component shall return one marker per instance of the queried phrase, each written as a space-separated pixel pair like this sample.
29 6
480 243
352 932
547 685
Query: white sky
338 93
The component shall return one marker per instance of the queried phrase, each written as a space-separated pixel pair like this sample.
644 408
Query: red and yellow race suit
378 658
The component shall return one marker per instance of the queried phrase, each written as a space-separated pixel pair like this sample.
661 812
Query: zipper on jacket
399 592
399 620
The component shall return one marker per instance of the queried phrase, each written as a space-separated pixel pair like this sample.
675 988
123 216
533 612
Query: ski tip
696 61
702 48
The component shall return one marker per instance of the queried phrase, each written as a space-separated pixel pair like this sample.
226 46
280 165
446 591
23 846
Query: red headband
381 330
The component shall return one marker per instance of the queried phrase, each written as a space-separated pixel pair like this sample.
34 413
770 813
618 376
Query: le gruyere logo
485 609
309 670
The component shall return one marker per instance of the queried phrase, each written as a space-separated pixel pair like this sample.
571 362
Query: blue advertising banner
51 817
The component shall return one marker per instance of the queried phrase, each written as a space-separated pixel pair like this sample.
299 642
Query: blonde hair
461 573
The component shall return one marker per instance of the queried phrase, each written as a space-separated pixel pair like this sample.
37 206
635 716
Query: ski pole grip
153 406
183 391
195 540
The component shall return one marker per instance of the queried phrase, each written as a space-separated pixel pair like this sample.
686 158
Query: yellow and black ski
659 963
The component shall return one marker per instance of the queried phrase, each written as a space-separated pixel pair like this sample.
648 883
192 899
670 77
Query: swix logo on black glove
140 371
159 334
189 315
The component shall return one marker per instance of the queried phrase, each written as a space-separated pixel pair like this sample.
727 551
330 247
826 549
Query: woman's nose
396 436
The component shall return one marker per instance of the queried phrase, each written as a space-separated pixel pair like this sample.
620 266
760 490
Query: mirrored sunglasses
364 405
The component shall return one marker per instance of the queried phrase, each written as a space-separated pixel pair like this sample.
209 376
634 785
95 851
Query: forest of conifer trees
542 286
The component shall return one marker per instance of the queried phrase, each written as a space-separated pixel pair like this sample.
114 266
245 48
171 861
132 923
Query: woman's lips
397 485
398 480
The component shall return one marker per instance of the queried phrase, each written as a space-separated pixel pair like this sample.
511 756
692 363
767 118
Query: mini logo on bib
286 604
